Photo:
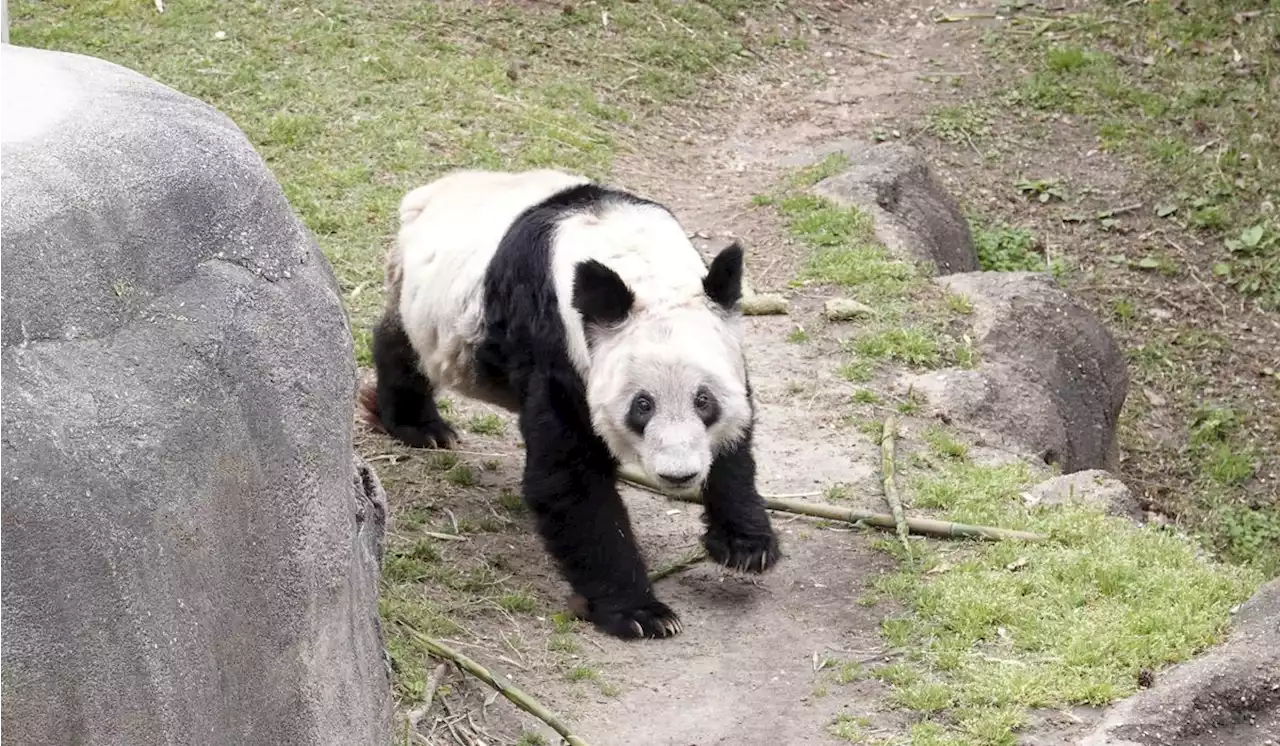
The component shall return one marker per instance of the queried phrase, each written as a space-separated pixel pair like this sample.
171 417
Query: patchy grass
1191 99
944 444
354 103
999 628
487 424
912 325
1002 248
915 346
959 124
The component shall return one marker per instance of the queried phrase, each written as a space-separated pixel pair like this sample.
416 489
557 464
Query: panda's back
516 237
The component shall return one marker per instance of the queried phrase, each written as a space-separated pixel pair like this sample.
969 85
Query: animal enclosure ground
1049 128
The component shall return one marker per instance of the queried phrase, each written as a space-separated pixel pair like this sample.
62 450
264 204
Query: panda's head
667 387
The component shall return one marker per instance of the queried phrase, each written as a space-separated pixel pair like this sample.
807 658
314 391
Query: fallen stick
417 714
921 526
888 439
518 697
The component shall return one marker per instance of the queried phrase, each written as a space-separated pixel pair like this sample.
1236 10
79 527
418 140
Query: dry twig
921 526
518 697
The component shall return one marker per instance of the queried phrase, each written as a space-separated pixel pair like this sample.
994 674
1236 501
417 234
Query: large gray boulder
1051 379
191 548
915 217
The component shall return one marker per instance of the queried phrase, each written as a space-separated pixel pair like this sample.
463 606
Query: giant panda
585 310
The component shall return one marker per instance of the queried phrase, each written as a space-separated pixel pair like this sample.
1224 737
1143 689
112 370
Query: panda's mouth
679 481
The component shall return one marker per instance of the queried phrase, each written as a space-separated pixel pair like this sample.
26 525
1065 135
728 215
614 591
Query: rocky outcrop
1050 378
191 548
1093 487
915 217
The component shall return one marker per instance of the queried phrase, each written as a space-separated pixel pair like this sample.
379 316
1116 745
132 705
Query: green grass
1188 91
911 325
582 673
487 424
916 346
945 445
965 123
352 104
996 629
1002 248
1240 528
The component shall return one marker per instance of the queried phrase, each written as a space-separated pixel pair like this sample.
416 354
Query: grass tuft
1001 628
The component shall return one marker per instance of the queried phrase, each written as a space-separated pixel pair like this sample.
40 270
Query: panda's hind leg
405 404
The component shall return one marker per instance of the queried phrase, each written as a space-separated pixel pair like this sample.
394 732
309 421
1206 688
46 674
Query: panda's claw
434 435
646 619
746 554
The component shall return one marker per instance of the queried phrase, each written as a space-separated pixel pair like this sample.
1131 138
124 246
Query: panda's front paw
435 434
629 619
743 552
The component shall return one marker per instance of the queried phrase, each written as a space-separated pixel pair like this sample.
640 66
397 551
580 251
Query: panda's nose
678 479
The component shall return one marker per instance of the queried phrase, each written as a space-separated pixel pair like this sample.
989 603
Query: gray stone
1050 379
191 550
915 217
1228 697
1093 487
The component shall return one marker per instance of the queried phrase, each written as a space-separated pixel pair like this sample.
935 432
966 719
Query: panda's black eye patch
640 412
707 405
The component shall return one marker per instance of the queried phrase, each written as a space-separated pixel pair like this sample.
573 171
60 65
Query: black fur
600 295
570 474
738 531
708 406
406 402
723 283
638 414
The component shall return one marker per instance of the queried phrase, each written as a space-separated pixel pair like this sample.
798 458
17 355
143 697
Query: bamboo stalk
518 697
921 526
888 439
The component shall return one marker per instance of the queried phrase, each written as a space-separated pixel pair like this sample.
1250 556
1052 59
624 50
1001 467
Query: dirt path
759 661
745 670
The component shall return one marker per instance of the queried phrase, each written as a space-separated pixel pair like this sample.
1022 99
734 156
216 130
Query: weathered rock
1051 379
1093 487
1228 697
190 551
915 217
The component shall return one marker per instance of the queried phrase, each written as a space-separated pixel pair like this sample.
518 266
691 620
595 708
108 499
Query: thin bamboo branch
518 697
689 559
888 439
922 526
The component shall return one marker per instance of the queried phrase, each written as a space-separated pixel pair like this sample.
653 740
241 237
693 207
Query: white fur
449 232
673 341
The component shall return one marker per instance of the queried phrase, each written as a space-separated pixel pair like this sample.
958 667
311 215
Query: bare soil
745 669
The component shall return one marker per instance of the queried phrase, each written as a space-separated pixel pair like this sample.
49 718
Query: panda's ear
600 295
723 283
